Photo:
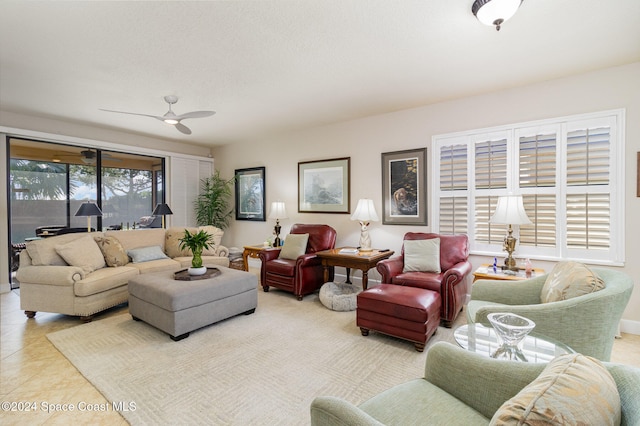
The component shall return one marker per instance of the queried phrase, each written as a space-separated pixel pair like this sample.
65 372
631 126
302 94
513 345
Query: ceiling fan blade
133 113
183 129
196 114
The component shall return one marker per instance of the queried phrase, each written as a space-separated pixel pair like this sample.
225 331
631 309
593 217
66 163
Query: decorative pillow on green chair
422 255
570 279
295 245
572 390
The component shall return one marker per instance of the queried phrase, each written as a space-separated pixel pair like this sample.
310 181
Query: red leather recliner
451 283
305 274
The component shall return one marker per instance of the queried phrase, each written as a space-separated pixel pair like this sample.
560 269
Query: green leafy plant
213 205
196 242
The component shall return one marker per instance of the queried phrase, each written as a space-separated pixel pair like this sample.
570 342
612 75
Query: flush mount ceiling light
495 12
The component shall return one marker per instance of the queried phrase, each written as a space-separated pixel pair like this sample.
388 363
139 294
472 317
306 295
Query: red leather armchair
451 282
305 274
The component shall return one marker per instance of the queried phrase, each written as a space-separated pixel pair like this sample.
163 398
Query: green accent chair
458 388
588 324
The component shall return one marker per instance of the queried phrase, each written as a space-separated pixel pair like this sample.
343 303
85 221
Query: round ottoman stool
339 296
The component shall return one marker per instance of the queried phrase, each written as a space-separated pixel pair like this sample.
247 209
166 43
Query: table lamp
277 212
365 213
510 211
89 209
162 209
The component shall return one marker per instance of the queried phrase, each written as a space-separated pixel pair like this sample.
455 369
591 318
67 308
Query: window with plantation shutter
568 171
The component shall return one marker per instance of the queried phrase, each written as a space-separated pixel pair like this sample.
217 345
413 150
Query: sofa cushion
569 279
572 390
131 239
43 252
104 279
418 402
113 252
216 234
82 252
159 265
295 245
172 241
422 255
146 254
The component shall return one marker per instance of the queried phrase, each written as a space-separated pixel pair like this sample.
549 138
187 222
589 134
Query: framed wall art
250 194
323 186
404 187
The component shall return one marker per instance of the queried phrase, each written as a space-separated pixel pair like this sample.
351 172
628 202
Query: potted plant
196 242
213 204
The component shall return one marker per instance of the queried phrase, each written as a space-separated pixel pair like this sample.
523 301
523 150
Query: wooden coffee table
363 260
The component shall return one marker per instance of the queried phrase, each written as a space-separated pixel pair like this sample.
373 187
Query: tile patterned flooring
32 370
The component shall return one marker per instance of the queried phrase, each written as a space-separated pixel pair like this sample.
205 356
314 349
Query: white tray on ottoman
178 307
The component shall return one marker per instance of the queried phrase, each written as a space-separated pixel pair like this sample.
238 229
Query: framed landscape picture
323 186
404 187
250 194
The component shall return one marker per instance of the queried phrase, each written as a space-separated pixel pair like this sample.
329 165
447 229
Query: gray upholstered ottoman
179 307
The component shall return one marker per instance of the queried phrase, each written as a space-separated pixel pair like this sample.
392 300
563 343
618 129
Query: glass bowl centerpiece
511 330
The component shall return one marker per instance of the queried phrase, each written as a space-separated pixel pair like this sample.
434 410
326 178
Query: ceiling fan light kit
170 117
495 12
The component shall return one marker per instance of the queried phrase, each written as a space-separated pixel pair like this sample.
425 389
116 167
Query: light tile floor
33 371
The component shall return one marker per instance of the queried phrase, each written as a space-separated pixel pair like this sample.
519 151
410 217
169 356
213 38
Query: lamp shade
89 209
510 211
495 12
162 209
278 210
365 211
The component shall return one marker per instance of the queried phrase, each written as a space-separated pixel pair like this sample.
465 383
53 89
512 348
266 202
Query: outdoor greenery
196 242
213 205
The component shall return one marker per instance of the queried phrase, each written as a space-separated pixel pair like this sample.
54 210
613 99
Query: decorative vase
197 271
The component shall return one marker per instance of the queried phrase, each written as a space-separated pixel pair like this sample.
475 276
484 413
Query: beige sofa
82 274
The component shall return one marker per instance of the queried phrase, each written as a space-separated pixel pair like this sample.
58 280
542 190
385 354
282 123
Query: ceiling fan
170 117
87 156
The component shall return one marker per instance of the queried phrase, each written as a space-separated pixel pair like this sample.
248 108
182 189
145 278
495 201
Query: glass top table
483 340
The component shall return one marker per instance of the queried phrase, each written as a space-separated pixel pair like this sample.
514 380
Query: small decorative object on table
511 329
196 242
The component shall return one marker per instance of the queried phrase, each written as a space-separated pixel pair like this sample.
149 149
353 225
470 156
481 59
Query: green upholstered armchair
459 388
588 323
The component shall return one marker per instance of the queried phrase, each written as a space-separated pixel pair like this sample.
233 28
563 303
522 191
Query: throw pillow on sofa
82 252
113 252
570 279
146 254
572 390
172 241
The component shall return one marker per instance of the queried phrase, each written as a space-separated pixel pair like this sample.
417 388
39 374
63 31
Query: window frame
560 126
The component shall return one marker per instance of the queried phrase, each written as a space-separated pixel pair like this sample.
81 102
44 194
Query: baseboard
630 327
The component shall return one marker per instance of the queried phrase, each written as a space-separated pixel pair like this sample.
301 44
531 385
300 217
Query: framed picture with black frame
323 186
404 187
250 194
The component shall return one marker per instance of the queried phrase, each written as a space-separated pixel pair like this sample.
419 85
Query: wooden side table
363 260
252 252
485 272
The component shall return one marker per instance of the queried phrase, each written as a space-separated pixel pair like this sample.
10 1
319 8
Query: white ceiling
271 66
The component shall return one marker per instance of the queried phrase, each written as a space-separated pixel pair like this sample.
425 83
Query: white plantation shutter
568 171
453 177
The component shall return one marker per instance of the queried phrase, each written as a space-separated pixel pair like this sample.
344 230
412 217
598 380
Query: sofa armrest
222 251
389 268
308 259
525 292
480 382
456 273
50 275
332 411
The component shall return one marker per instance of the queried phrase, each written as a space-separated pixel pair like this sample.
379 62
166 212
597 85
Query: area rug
263 368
